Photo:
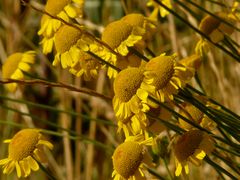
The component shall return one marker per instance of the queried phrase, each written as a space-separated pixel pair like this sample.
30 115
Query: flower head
138 20
163 76
194 114
66 39
120 35
215 29
24 149
192 146
126 104
125 100
129 156
64 9
86 66
15 65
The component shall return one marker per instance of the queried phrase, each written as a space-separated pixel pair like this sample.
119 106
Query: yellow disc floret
54 7
66 37
134 19
163 70
20 147
127 83
192 146
115 33
127 158
187 144
163 76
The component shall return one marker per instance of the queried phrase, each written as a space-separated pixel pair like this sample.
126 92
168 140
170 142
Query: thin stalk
49 174
65 121
154 172
218 167
208 12
78 128
227 162
50 108
136 52
198 31
166 165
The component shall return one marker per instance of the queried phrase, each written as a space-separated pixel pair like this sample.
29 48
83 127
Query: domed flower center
116 32
54 7
208 24
11 64
66 37
187 144
162 68
127 158
23 144
127 83
134 19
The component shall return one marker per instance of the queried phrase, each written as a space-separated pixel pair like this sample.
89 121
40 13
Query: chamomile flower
135 124
119 35
24 149
66 39
159 9
64 9
192 146
126 102
194 114
138 20
15 65
129 156
215 29
163 76
86 66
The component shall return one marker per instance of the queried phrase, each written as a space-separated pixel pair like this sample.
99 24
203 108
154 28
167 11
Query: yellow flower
66 39
129 109
157 8
64 9
120 35
126 85
14 66
129 156
192 146
138 20
24 149
214 29
194 114
163 76
86 66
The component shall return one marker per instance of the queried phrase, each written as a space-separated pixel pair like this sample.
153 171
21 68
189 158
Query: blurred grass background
82 127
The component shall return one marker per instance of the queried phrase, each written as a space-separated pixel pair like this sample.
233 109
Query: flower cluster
146 88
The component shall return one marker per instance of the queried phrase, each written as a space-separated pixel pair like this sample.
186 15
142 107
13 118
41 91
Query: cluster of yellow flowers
138 84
